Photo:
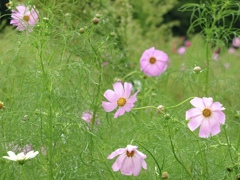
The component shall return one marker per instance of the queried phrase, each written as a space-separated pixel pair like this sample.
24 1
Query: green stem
207 70
180 103
175 154
146 107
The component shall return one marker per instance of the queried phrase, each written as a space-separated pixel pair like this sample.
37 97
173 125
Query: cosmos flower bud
95 20
98 15
165 175
1 104
81 30
197 69
160 109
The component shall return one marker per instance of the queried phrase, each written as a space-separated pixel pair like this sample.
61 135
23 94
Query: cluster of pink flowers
24 18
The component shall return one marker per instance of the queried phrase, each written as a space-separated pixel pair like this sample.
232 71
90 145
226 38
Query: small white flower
21 157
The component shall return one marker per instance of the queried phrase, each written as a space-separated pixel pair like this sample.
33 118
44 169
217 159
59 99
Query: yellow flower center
152 60
206 112
26 18
121 101
130 154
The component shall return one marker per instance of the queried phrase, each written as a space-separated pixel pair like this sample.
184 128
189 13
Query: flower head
130 160
153 62
24 18
181 50
120 97
87 116
206 114
21 157
236 42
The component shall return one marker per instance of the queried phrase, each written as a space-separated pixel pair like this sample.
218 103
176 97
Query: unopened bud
160 109
45 19
165 175
81 30
197 69
167 116
95 20
118 80
98 15
1 104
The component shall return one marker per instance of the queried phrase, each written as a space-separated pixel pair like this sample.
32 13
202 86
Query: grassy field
53 74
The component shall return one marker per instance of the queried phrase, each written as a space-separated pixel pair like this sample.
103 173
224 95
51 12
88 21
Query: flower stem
180 103
175 154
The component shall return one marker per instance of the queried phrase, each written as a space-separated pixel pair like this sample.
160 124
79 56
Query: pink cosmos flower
87 116
181 50
206 114
236 42
187 43
153 62
24 18
120 97
130 160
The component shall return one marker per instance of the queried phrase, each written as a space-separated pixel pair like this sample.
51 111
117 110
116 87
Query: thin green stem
175 154
180 103
146 107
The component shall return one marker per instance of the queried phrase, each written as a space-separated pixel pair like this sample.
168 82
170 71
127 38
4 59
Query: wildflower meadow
111 90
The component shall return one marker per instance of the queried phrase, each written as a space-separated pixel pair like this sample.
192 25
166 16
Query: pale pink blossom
187 43
120 98
153 62
231 50
24 18
181 50
88 116
206 114
236 42
130 161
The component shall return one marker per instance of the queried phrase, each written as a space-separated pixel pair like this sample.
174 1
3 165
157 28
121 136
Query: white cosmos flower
21 157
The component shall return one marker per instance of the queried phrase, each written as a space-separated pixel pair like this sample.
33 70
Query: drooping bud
1 104
160 109
197 69
81 30
165 175
98 15
95 20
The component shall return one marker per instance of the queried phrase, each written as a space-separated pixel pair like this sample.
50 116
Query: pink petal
207 102
119 162
219 116
144 164
195 122
127 90
216 106
111 96
127 107
204 129
160 56
214 126
108 106
193 113
119 112
127 166
116 153
118 88
198 103
137 165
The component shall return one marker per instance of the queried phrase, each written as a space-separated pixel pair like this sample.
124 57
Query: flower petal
198 103
204 129
219 116
119 162
118 88
214 126
137 165
207 102
191 113
108 107
117 152
110 95
195 122
127 90
127 166
119 112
